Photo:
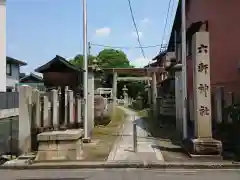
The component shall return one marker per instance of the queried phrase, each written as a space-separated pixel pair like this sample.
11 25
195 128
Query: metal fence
8 100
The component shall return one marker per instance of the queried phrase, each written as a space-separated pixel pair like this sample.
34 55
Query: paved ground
123 149
119 174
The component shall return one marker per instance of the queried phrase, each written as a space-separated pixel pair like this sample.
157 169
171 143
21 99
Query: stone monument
202 143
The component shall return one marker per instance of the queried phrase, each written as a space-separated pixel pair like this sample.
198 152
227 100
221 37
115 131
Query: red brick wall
224 27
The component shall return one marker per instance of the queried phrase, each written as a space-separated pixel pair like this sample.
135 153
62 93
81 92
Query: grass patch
103 138
143 113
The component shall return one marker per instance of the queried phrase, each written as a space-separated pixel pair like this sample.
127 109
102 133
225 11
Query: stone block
60 145
204 146
73 134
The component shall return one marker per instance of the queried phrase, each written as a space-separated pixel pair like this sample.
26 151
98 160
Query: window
8 69
9 89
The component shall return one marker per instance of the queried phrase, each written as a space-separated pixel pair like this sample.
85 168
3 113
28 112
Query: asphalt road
119 174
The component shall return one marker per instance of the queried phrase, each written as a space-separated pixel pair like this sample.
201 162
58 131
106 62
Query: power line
134 23
171 16
125 47
166 22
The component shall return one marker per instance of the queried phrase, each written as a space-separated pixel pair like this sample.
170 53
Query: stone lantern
125 95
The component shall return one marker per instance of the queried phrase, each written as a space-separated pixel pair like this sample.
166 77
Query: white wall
14 78
2 46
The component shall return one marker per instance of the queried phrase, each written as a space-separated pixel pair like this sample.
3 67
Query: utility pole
184 70
85 81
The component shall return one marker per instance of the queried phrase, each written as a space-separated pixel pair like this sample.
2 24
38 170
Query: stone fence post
70 108
37 121
78 111
25 114
54 106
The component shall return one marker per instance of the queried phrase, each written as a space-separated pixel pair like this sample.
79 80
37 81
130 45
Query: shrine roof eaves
59 59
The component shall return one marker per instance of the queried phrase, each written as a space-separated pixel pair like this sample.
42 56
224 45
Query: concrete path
123 148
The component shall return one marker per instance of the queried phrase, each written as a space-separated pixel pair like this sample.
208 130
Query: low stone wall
6 113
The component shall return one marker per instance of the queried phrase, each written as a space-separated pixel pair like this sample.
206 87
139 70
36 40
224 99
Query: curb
111 165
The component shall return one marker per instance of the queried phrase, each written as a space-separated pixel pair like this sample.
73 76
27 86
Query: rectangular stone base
60 145
204 146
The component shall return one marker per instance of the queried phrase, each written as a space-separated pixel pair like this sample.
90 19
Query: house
13 73
31 78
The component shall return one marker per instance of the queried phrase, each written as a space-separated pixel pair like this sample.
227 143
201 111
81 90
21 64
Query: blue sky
37 30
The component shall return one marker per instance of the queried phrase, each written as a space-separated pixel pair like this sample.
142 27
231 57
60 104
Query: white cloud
105 31
140 34
145 20
140 62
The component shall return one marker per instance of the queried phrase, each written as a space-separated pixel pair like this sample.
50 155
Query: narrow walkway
123 148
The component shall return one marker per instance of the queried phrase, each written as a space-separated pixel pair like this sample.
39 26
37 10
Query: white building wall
14 78
2 45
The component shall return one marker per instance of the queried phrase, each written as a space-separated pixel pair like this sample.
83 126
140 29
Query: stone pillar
25 115
114 90
36 109
65 106
154 94
70 108
90 101
3 45
78 111
45 113
203 144
54 105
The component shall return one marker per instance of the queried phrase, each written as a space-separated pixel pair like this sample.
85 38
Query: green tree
111 58
78 60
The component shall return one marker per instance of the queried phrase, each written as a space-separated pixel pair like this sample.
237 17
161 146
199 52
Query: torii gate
145 73
3 45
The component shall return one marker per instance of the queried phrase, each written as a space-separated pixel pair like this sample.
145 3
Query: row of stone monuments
51 123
